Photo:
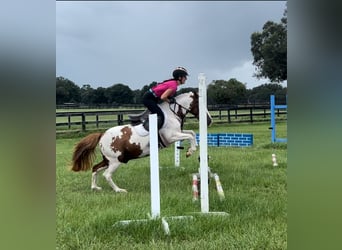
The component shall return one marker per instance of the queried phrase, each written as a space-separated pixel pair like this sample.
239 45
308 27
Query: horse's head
190 102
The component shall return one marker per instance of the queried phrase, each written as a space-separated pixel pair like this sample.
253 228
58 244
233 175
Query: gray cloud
135 43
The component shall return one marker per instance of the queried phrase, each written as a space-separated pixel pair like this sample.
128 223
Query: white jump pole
154 167
203 143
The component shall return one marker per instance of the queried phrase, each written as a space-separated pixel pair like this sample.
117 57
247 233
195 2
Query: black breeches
151 102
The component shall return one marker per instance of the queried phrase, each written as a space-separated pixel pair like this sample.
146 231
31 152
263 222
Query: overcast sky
136 43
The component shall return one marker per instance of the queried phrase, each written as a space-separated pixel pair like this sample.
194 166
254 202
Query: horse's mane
185 93
180 96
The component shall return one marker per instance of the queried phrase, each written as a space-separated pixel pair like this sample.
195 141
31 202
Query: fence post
69 122
83 122
251 114
120 119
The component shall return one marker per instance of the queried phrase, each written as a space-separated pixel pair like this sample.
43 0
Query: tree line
220 92
268 47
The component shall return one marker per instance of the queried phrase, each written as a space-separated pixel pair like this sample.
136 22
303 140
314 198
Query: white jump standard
204 169
154 166
154 176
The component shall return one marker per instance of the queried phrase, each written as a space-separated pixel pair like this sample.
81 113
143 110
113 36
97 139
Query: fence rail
81 119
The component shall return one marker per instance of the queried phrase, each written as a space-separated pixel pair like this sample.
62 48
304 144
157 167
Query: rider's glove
172 100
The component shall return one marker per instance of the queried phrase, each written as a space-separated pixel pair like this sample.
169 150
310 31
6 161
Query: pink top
162 87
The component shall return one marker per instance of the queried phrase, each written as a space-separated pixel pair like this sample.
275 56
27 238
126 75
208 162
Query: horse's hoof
188 154
96 188
120 190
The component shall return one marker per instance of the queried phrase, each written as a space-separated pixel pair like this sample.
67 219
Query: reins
181 106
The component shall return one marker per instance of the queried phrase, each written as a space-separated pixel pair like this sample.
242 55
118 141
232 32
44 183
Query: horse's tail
84 152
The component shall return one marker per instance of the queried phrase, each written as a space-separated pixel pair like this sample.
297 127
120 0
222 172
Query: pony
123 143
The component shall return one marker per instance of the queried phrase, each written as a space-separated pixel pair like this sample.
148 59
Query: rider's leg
152 104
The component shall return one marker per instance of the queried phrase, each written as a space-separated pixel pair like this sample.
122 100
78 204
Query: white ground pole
154 175
204 169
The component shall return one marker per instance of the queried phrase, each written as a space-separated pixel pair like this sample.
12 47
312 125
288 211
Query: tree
87 94
67 91
119 94
99 96
226 92
138 94
261 94
269 49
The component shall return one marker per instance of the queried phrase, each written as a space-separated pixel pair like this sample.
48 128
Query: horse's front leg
193 142
186 135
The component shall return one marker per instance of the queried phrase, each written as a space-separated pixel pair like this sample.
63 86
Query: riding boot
159 121
146 125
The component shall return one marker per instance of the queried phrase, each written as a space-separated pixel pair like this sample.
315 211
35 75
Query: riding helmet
179 72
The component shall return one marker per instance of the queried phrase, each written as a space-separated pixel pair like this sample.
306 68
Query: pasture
255 191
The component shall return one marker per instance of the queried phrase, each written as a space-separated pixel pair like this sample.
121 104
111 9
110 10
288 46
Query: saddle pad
140 130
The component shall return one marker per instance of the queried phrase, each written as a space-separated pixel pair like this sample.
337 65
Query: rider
163 91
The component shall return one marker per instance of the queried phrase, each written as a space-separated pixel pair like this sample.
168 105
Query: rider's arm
166 95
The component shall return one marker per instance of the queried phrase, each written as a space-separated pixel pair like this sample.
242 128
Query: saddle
142 118
137 119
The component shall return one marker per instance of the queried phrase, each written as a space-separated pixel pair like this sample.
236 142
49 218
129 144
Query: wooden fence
84 119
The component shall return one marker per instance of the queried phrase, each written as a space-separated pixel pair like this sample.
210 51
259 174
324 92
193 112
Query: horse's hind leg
97 168
108 175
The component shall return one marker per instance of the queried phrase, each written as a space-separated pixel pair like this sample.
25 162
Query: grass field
255 191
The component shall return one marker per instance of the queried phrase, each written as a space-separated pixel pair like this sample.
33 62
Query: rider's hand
172 100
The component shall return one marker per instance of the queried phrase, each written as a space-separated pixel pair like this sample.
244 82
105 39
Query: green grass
255 191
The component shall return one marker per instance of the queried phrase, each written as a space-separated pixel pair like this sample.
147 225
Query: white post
177 154
154 175
154 166
203 143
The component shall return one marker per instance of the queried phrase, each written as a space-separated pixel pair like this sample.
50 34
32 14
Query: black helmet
179 72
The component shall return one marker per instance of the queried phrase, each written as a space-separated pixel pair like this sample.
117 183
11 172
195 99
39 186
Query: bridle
182 118
174 107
